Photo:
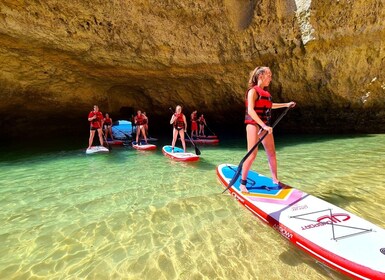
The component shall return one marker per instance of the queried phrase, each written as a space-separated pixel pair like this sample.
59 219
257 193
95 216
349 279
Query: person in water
202 123
194 124
259 103
140 121
96 123
107 125
178 120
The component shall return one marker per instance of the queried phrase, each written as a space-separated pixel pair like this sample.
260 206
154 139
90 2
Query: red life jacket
107 121
262 106
179 122
140 120
96 123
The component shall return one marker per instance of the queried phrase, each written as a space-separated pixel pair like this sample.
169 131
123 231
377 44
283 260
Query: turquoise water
139 215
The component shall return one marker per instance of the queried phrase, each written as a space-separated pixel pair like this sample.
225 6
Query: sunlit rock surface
58 58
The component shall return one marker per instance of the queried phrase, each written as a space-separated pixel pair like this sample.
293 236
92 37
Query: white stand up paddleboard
97 149
336 237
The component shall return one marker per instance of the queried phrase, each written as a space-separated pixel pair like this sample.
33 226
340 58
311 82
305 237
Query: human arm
173 118
282 105
91 116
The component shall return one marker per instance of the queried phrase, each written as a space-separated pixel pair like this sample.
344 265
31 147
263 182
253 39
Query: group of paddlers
103 125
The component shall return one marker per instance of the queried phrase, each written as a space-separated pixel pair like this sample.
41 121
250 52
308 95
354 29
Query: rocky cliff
58 58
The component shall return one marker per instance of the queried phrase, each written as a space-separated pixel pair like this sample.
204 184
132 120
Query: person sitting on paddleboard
258 104
178 120
194 124
202 123
96 121
107 124
140 121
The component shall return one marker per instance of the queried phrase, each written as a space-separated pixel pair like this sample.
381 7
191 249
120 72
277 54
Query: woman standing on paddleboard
178 120
140 121
258 104
96 119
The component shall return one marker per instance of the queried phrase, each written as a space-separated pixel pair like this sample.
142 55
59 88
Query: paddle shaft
210 129
105 139
197 151
239 170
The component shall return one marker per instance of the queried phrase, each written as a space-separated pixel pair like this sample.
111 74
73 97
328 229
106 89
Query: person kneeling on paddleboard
178 120
258 104
96 120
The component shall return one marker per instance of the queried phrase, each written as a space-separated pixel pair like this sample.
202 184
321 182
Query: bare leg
174 137
144 133
100 132
91 139
252 138
269 145
181 134
137 133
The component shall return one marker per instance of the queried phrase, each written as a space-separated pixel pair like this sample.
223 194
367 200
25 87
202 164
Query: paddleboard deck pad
143 146
179 154
97 149
338 238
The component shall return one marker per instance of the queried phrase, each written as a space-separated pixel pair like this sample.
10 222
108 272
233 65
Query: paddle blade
235 178
197 151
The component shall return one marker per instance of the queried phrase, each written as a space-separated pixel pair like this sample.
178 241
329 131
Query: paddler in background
202 123
107 125
194 124
140 121
178 120
258 104
96 123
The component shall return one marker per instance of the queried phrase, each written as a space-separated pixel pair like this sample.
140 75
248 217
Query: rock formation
58 58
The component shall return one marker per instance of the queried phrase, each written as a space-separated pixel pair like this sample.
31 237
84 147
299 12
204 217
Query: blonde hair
254 75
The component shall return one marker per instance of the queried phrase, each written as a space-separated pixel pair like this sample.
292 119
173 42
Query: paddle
127 135
210 129
197 151
239 170
105 140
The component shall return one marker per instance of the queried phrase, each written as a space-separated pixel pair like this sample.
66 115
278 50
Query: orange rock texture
58 58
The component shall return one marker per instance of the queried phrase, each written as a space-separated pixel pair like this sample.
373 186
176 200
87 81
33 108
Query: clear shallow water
139 215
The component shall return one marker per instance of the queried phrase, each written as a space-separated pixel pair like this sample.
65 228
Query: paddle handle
239 170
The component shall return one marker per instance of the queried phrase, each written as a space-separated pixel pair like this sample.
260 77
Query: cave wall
59 58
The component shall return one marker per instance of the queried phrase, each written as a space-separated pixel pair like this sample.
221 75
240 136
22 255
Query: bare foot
243 189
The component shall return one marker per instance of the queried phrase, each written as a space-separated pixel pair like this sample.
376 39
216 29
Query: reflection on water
140 215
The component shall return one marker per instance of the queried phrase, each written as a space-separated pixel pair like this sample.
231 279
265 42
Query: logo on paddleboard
334 218
382 250
328 220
